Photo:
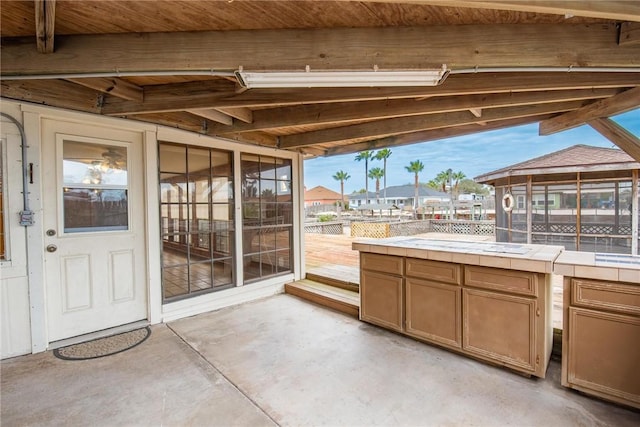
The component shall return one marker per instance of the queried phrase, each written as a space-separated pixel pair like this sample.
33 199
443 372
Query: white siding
15 329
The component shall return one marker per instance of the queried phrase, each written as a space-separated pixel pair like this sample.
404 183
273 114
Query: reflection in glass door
196 212
267 216
95 191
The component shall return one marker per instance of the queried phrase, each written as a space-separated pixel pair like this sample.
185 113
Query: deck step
343 300
333 281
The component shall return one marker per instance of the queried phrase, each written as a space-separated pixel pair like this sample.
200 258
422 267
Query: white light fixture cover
373 78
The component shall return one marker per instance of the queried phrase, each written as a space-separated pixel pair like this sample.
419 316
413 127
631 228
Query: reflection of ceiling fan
111 159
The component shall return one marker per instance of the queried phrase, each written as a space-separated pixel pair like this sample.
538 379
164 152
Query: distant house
400 195
319 196
584 198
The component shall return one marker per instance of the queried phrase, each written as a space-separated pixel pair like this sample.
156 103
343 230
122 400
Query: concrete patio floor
284 361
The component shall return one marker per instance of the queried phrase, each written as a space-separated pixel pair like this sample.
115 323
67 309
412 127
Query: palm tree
443 180
376 173
434 184
341 176
365 155
457 176
415 168
384 155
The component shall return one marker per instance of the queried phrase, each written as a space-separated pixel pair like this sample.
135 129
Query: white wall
15 327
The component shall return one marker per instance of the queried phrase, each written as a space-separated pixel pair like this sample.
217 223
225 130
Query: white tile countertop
513 256
600 266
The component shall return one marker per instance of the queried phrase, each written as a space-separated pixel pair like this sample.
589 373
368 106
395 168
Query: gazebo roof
577 158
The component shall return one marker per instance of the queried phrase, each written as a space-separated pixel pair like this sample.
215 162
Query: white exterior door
94 226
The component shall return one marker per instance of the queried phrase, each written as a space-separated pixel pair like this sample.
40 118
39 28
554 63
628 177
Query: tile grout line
222 374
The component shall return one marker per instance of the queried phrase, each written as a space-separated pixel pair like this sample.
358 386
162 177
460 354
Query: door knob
52 248
51 232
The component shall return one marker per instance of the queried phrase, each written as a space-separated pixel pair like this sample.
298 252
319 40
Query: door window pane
95 178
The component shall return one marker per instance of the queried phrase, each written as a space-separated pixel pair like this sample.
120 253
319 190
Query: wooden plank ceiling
560 63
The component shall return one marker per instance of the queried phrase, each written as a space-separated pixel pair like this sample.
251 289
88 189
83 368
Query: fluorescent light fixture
373 78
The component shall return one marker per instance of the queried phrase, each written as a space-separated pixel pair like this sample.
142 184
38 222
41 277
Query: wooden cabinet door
604 354
434 312
382 300
501 328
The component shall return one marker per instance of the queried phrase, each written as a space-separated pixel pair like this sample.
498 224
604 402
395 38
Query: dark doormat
102 347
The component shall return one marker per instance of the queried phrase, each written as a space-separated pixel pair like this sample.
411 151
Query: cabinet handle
538 312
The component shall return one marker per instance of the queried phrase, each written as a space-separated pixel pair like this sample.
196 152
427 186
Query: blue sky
472 154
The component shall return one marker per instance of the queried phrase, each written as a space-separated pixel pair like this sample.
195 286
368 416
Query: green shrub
325 217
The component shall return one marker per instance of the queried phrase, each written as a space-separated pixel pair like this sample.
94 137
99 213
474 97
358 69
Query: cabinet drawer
383 263
433 270
517 282
606 295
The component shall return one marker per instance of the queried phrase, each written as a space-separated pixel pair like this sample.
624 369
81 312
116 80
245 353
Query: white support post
298 226
635 212
237 197
35 240
152 201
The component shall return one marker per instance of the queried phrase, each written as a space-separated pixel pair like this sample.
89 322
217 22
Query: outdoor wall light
372 78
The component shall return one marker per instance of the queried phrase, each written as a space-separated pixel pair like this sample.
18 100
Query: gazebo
584 198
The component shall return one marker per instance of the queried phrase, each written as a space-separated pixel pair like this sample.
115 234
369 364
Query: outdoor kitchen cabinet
498 314
434 302
505 317
382 291
601 337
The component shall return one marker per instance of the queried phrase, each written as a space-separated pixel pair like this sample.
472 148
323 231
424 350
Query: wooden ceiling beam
476 112
222 94
345 112
179 120
212 114
624 139
429 135
629 33
616 10
56 93
242 113
192 123
457 46
382 128
624 101
173 97
45 11
112 86
257 138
